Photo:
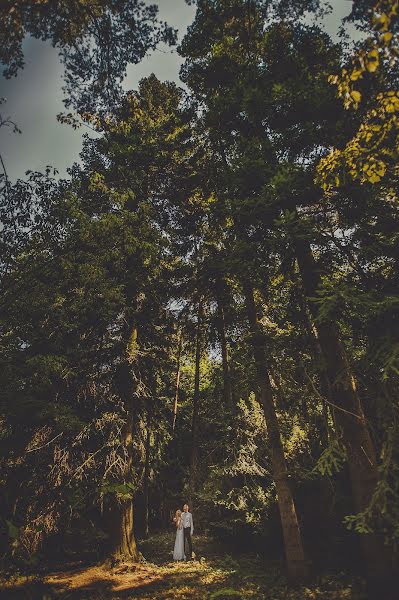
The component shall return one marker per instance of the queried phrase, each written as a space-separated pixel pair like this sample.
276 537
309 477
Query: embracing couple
184 531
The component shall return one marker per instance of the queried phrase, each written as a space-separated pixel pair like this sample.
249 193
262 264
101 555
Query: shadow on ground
214 575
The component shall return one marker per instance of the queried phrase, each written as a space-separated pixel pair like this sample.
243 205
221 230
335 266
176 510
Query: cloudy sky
34 97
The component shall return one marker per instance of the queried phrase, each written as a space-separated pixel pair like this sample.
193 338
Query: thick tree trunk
147 464
296 563
348 412
178 373
196 401
122 539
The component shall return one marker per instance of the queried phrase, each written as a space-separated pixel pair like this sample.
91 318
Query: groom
188 528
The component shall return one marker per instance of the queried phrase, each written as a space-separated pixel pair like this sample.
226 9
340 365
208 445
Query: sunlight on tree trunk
122 539
296 562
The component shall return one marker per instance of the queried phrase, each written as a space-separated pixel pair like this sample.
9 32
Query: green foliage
382 514
371 155
123 491
240 485
228 563
96 42
225 593
331 460
184 199
358 523
13 530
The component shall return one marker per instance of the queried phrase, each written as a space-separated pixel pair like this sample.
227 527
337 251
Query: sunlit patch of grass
216 574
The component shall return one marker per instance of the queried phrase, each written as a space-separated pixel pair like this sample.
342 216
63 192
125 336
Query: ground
213 575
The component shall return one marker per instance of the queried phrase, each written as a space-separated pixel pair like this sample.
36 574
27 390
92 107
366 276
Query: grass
213 575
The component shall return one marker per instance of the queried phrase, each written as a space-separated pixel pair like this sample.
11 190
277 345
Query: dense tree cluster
207 309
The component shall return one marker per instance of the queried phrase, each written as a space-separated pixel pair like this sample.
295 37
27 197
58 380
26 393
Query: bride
178 552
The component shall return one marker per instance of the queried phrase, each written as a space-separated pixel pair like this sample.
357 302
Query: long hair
177 517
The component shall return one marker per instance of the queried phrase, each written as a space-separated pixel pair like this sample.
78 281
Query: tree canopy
206 309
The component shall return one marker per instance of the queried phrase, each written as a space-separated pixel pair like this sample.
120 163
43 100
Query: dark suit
188 528
187 540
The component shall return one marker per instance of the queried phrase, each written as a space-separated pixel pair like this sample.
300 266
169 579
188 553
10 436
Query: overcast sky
34 97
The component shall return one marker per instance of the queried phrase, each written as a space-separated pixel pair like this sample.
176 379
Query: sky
34 97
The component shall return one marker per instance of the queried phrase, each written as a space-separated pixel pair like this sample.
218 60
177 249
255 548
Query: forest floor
213 575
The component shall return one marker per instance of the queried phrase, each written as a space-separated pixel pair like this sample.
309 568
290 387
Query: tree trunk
227 387
348 412
122 539
316 351
296 563
147 463
178 373
196 400
146 481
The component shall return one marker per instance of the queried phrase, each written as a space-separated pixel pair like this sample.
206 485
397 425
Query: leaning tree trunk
121 517
295 556
196 401
347 410
316 351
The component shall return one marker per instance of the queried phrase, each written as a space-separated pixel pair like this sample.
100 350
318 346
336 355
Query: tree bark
316 351
295 556
347 410
227 386
147 464
196 401
122 539
178 373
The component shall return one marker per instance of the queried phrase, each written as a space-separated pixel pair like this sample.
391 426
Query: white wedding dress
178 552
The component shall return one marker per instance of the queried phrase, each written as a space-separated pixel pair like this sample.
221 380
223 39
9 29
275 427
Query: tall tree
195 426
284 120
296 562
96 42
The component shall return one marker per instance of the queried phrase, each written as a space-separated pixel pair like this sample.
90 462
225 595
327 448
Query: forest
206 309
